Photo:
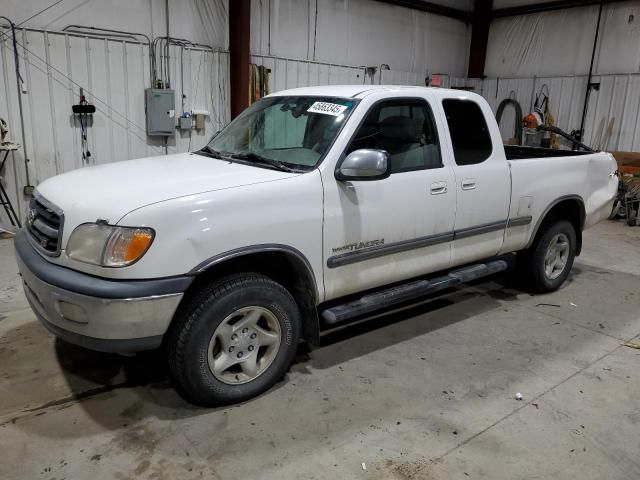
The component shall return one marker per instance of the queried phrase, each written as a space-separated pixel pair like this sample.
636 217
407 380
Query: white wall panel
560 42
201 21
362 32
359 32
550 43
283 27
113 74
619 46
441 45
397 77
292 73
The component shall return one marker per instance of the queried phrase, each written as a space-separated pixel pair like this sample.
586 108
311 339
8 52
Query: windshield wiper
254 157
213 153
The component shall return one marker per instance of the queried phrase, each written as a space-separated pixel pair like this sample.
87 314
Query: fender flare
546 211
259 248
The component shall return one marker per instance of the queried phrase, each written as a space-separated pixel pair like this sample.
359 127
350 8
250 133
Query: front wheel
234 340
548 262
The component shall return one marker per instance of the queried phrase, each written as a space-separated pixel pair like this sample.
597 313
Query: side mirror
364 164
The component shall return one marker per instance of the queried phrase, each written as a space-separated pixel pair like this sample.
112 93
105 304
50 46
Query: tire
533 262
246 321
615 210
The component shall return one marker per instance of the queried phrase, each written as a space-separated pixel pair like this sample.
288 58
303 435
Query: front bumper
96 313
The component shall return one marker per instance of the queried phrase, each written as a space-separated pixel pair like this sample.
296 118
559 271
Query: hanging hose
562 133
517 123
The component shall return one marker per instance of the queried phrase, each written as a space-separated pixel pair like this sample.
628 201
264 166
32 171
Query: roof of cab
359 91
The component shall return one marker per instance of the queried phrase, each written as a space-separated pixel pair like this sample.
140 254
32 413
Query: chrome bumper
122 325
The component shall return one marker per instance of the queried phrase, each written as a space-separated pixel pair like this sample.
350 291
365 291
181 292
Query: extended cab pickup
313 208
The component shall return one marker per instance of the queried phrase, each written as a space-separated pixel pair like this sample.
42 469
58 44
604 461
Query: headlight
108 245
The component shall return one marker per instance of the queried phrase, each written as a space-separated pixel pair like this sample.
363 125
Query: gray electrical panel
160 109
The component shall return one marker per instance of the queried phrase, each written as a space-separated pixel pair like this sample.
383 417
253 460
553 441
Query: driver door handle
438 188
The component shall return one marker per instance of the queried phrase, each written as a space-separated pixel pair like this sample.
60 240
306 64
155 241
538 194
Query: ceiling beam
431 8
546 7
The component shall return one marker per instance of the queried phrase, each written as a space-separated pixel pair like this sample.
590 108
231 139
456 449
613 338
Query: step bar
373 302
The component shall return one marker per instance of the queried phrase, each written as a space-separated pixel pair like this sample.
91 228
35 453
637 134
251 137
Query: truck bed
517 152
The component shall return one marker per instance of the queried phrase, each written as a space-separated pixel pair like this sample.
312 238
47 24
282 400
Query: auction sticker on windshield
327 108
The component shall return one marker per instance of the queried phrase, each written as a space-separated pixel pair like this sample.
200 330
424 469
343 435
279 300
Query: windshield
293 131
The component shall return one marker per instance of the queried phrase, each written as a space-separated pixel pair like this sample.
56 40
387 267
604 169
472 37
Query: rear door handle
438 188
468 184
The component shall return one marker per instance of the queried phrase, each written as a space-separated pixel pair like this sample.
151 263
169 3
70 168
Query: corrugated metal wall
560 42
613 115
114 75
292 73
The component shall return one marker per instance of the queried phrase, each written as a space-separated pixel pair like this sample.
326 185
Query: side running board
409 291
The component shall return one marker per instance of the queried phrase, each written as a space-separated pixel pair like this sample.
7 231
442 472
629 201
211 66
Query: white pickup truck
315 207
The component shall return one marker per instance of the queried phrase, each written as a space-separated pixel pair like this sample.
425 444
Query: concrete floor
428 394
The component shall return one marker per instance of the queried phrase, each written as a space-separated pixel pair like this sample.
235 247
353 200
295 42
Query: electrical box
160 111
199 121
199 116
184 123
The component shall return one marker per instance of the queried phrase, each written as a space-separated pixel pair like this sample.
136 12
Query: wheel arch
567 207
283 264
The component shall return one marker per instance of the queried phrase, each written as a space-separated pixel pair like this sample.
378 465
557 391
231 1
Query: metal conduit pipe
16 60
589 83
106 35
167 46
154 73
109 32
182 42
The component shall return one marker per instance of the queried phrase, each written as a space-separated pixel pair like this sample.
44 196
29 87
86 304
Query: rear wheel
234 340
548 262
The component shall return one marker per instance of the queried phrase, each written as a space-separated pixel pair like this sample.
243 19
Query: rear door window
469 131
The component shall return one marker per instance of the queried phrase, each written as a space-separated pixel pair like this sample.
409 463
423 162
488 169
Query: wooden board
628 162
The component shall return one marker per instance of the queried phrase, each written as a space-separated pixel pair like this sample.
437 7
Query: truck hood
112 190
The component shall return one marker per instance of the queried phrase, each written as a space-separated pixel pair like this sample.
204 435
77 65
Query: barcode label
327 108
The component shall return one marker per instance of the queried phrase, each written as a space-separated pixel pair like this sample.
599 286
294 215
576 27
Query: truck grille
44 224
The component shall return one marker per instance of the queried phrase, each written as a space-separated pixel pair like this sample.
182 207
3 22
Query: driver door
383 231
